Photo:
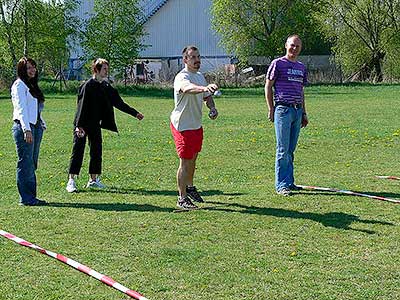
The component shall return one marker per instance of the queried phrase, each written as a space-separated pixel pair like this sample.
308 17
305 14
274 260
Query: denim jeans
287 129
28 155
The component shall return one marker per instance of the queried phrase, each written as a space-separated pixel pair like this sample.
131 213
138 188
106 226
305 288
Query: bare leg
193 169
185 173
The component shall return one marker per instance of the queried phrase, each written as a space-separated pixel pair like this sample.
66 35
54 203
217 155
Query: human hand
139 116
213 114
304 121
271 115
80 133
211 88
28 136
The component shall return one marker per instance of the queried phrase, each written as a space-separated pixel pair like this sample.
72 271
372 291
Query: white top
25 105
187 113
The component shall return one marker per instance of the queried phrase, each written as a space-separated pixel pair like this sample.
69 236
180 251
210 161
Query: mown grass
248 242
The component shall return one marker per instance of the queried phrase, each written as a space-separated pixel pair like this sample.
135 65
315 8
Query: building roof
150 7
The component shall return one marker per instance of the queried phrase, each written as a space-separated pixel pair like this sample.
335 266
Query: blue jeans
287 129
28 155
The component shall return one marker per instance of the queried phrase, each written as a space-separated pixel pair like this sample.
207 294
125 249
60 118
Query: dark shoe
284 192
37 202
294 187
185 203
194 194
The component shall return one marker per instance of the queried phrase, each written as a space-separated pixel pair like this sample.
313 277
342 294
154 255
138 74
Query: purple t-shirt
290 78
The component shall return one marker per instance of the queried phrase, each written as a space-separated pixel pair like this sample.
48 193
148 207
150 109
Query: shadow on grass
115 206
133 206
116 190
333 219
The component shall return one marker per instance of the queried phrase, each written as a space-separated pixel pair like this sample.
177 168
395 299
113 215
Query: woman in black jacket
95 110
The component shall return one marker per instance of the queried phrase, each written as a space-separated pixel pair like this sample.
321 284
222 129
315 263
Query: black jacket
96 102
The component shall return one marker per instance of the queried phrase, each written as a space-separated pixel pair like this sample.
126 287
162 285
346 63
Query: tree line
359 33
48 30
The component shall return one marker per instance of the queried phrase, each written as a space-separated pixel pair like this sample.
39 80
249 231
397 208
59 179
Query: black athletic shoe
194 194
185 203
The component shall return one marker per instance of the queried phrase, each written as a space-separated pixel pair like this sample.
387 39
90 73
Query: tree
114 32
363 34
41 29
55 33
8 11
260 28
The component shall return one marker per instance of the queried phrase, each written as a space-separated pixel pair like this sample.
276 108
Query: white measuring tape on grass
76 265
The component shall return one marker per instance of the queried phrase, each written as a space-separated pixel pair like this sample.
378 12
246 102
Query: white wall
83 12
180 23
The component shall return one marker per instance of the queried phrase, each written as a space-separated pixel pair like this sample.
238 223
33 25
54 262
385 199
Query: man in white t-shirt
190 91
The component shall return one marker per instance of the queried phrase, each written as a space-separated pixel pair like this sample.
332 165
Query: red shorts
187 142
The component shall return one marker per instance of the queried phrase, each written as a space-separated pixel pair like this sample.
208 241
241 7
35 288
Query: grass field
248 243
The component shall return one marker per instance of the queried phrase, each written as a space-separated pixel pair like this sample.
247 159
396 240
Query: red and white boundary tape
388 177
107 280
325 189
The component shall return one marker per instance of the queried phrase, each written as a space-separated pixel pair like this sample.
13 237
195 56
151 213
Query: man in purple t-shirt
284 93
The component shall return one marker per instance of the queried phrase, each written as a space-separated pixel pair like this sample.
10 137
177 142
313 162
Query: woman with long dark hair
28 127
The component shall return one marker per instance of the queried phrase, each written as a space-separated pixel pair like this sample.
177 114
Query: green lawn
248 243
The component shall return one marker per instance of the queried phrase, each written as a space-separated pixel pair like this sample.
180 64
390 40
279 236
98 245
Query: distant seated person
95 110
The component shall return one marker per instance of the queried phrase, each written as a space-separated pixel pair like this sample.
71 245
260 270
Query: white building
171 25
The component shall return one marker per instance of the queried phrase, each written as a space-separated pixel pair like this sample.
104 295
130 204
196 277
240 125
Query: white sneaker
95 184
284 192
71 186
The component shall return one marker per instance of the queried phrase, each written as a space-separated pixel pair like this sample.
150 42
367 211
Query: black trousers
78 149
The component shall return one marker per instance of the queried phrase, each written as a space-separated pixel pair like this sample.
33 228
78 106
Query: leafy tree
114 32
51 29
41 29
55 36
8 12
260 28
363 34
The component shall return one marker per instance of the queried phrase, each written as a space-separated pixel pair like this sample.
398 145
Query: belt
294 105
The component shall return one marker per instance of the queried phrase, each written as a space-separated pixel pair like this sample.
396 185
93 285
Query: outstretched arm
195 89
118 103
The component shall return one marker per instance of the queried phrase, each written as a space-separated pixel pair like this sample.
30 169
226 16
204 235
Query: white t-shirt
187 113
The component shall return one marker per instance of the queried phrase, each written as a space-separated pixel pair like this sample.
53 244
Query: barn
170 25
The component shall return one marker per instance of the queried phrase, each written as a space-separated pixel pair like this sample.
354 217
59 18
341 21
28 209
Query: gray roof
150 7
